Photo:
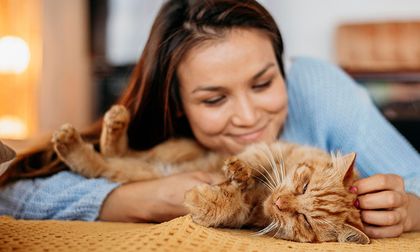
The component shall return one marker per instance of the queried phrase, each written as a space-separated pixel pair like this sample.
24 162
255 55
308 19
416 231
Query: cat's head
310 201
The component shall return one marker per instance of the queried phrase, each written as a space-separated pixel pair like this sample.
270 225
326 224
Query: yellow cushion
180 234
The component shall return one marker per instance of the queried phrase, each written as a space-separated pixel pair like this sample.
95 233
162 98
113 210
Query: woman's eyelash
218 99
262 85
214 101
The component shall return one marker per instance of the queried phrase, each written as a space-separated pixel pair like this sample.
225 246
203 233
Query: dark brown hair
152 95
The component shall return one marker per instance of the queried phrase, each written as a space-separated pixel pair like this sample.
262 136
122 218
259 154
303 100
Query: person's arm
155 200
329 110
62 196
389 163
68 196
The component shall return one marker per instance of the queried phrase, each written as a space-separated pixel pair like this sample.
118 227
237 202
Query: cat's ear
349 161
351 234
6 153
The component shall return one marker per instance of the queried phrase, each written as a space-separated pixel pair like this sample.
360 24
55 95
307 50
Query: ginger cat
120 164
293 192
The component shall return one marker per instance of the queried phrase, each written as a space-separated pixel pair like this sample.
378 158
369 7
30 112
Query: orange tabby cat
295 192
118 163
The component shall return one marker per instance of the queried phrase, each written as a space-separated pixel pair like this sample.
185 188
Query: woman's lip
249 137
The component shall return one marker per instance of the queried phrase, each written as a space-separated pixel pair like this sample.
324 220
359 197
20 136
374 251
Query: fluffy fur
289 191
118 163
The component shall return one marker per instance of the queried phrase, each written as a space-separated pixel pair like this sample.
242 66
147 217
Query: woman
213 70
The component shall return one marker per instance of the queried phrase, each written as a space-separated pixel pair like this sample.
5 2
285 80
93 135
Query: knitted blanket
180 234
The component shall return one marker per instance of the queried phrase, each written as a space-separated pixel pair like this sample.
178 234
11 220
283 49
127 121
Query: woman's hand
387 209
155 200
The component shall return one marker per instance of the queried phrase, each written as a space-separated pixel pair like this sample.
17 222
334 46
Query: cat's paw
116 119
204 202
238 171
66 139
217 206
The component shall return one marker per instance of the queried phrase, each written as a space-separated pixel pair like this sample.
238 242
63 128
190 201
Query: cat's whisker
278 230
262 174
267 229
271 181
281 162
268 181
269 156
265 183
275 168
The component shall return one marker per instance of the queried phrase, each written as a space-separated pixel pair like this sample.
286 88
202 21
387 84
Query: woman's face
232 91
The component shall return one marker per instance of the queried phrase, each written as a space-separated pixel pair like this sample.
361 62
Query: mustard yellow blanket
180 234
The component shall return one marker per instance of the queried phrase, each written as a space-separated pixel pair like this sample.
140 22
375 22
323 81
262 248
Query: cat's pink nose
278 203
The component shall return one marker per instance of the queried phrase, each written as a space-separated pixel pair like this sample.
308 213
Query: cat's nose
279 203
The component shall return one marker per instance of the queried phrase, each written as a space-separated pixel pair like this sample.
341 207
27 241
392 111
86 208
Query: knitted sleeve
329 110
63 196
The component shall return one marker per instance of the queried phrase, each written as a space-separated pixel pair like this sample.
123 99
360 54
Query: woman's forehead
240 55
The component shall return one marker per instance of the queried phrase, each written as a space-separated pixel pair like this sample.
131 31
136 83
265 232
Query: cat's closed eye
305 187
303 218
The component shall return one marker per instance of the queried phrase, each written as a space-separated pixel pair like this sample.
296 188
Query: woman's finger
381 218
382 200
379 182
383 232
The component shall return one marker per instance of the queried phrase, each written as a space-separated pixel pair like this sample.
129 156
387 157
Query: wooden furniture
385 57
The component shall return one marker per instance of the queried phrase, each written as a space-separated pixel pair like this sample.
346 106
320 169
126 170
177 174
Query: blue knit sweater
327 109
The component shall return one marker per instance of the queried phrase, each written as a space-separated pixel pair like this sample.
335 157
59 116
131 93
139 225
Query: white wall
128 28
308 26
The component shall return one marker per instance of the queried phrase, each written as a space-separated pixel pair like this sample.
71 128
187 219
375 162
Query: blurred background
68 61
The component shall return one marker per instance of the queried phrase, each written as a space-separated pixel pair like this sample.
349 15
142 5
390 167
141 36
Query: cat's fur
293 192
118 163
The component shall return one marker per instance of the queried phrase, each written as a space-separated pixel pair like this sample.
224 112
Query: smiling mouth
249 137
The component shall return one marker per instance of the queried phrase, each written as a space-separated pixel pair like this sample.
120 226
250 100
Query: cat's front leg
223 205
217 206
114 141
239 173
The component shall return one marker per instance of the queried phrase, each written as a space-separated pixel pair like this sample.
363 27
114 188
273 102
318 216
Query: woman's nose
244 113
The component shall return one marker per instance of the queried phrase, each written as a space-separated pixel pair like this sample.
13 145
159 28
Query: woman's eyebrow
256 76
207 88
217 88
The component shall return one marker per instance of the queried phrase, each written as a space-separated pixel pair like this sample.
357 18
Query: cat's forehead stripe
311 167
330 194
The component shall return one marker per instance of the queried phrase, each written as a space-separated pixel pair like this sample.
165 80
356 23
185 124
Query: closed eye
262 86
305 187
306 220
214 101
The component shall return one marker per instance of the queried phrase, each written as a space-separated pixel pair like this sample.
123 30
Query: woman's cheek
273 102
209 121
276 101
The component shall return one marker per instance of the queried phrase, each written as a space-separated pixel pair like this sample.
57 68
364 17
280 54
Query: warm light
14 55
12 127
